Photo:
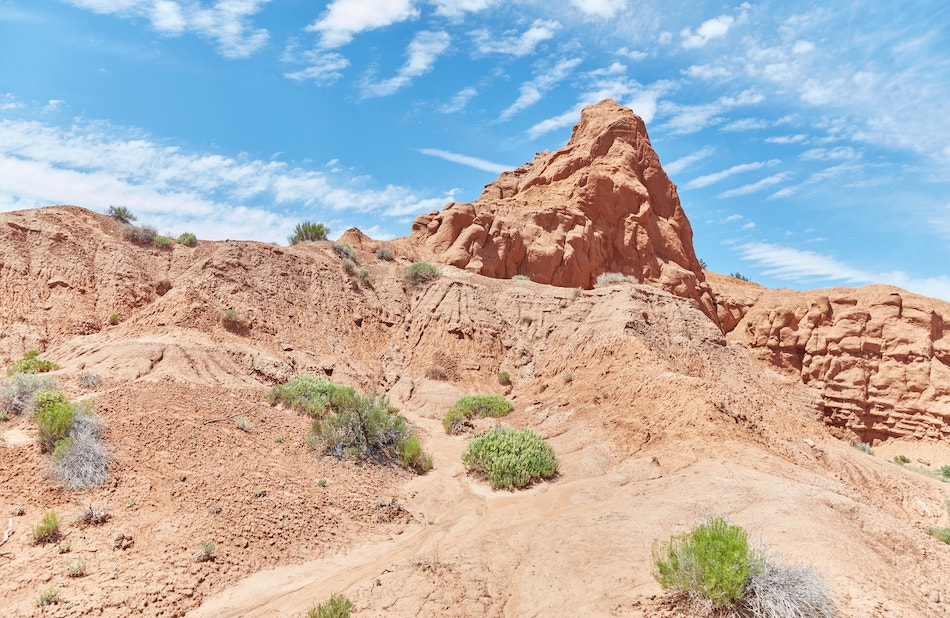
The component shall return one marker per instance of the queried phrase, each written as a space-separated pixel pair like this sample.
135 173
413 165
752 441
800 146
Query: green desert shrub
163 242
944 472
504 378
308 394
939 532
49 596
121 213
901 460
18 391
470 406
510 458
344 250
308 231
368 428
349 266
47 531
418 273
521 278
337 606
31 363
54 418
712 563
188 239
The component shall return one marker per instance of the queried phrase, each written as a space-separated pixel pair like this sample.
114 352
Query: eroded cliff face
600 204
879 356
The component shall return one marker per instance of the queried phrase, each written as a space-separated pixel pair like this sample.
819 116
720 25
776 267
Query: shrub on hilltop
308 231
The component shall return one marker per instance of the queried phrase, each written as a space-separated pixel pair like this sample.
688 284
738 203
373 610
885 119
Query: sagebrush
511 458
470 406
337 606
308 231
18 392
418 273
31 363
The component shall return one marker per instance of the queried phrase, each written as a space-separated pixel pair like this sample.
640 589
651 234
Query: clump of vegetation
422 272
944 472
385 254
73 436
337 606
521 278
436 372
349 266
188 239
18 391
114 319
864 447
163 242
50 596
122 214
206 553
76 567
901 460
713 567
47 531
344 250
31 363
510 458
739 276
308 231
606 279
139 234
940 533
307 394
89 380
363 274
368 428
54 418
504 378
243 423
93 514
470 406
234 321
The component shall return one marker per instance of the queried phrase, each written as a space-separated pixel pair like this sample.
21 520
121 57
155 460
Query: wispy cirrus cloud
533 91
479 164
683 163
708 179
791 264
512 44
753 187
421 55
226 22
600 8
710 29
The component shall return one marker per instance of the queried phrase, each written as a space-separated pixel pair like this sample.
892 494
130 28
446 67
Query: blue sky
810 141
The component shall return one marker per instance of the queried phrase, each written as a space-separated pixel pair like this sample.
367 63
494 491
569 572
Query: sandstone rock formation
879 356
600 204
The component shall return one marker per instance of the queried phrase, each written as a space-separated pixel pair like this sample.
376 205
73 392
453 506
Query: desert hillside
667 396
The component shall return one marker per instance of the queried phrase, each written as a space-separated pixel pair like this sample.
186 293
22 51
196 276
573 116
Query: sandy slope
657 418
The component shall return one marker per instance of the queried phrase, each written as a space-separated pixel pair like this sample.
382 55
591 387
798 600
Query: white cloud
632 54
830 154
710 29
343 19
749 226
683 163
9 102
790 264
706 71
708 179
458 8
768 181
96 165
422 52
746 124
53 105
479 164
803 47
600 8
225 22
686 119
516 45
459 101
733 217
533 91
322 67
787 139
